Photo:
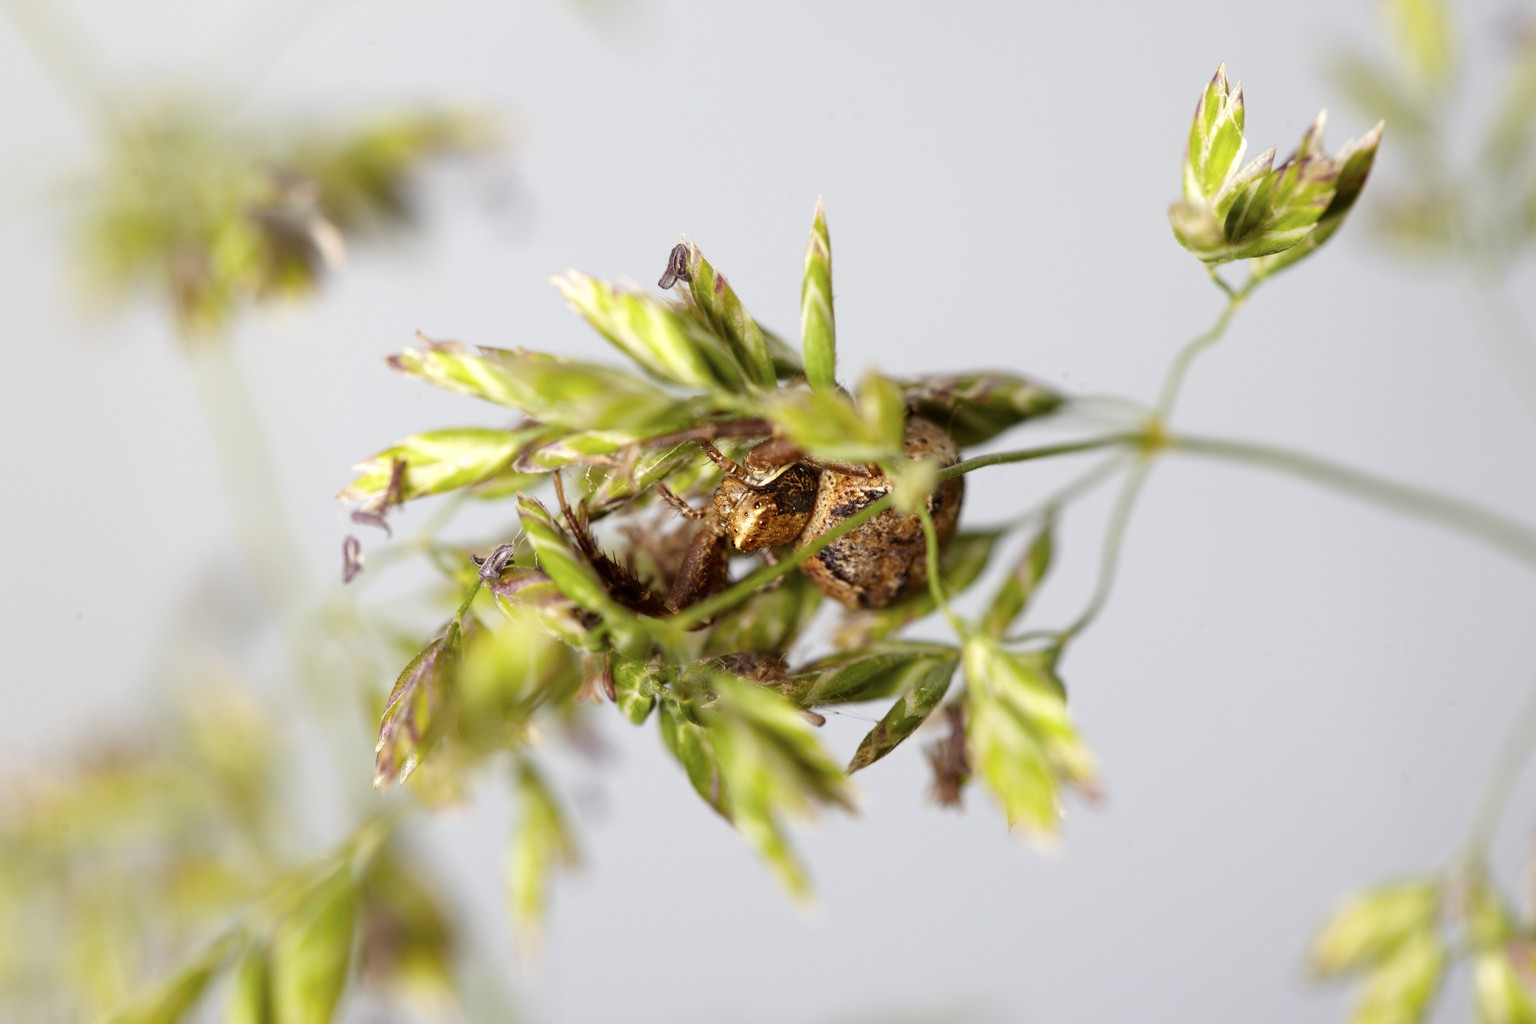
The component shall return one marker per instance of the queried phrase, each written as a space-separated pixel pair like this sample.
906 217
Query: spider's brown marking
885 560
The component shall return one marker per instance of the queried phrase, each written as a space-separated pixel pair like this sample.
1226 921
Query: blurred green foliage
214 215
1467 189
172 855
1468 204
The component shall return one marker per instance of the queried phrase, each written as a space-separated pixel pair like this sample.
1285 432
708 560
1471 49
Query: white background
1291 694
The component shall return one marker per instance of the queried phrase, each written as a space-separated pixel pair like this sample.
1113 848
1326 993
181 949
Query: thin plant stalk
1114 541
1463 517
271 551
1505 771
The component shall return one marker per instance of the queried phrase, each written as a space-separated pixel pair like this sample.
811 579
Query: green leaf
503 484
1352 166
689 742
1197 228
883 408
1418 222
1513 128
827 425
530 597
312 953
1530 211
409 724
663 342
1425 37
172 1000
718 307
768 622
818 334
541 844
564 392
1490 924
250 995
1261 211
442 460
770 763
363 176
1280 207
1502 983
1377 92
578 448
912 481
1022 738
786 359
1399 989
570 570
1243 182
684 468
1372 924
1011 758
507 671
909 712
214 216
976 407
1013 596
870 673
408 938
636 685
1216 143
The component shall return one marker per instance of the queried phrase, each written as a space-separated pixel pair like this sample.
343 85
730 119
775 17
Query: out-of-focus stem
245 468
935 584
1508 340
1151 441
65 52
1179 368
1463 517
1114 540
1502 776
1044 452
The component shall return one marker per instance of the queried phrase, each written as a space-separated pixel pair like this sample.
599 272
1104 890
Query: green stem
469 600
935 585
1046 452
1507 340
1068 493
1114 540
356 852
1220 282
1179 368
65 52
1463 517
1502 777
271 550
1125 503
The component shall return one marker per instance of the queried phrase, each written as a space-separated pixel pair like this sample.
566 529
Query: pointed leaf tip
817 325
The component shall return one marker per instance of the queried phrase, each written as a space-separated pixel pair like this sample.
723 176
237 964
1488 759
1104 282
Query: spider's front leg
678 505
704 567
